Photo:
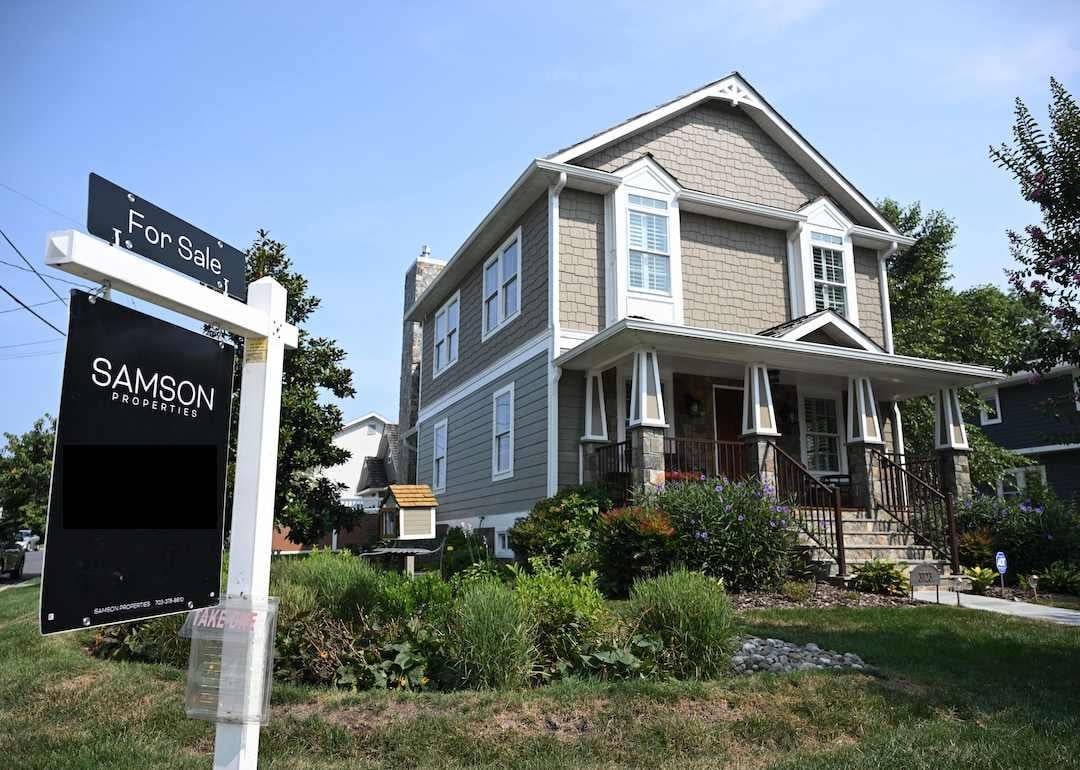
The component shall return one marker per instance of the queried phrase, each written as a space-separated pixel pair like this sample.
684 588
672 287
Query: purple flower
741 517
719 487
772 523
659 487
702 535
1049 536
702 477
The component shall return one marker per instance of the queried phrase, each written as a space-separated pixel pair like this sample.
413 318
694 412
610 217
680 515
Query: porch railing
815 505
613 467
922 509
925 468
711 458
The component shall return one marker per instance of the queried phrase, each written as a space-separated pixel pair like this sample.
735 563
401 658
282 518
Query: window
990 409
502 286
830 287
650 255
446 335
1014 482
438 469
502 433
822 430
371 429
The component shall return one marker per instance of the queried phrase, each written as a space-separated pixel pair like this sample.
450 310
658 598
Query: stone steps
874 536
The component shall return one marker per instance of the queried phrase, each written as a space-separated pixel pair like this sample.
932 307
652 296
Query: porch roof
894 376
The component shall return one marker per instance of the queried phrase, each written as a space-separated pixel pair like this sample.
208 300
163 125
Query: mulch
822 595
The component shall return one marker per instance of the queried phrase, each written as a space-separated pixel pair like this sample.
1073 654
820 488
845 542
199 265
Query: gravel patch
777 656
821 595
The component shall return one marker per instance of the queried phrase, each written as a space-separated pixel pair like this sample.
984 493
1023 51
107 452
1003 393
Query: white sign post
261 321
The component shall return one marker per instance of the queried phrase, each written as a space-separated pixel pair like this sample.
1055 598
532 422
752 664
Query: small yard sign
1002 562
135 224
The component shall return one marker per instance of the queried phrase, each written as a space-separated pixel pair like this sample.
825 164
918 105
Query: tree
25 474
305 501
981 325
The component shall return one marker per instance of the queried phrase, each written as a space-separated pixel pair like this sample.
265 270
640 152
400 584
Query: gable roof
734 89
829 321
413 496
359 420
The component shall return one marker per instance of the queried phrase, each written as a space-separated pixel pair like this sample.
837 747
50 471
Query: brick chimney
417 278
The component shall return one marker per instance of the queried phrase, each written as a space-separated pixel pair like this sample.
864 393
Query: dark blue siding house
1038 417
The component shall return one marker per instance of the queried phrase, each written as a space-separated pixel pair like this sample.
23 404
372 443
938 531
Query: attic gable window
650 255
830 284
502 286
446 335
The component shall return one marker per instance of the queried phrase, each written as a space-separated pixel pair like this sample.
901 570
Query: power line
48 277
40 354
31 310
27 344
60 214
33 304
31 266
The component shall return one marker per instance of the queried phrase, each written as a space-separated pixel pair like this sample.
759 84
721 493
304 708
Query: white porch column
646 401
758 423
863 425
950 440
595 408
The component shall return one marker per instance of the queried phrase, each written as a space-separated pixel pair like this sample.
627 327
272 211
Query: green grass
957 689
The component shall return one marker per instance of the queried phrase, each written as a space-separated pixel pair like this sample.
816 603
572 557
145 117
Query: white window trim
485 333
824 217
666 214
802 394
984 414
1020 474
434 456
435 370
496 474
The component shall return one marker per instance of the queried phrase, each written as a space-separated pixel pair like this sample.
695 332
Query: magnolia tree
1047 278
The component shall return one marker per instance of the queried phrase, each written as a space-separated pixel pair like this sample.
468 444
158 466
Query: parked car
12 558
27 540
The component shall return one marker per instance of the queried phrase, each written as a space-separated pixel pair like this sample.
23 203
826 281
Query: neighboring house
695 289
1039 417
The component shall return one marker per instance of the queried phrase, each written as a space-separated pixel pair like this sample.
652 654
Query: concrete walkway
1005 607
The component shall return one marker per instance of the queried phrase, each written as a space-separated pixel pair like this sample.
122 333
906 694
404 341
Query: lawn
956 689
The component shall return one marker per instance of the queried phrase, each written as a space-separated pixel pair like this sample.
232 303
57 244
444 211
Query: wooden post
838 518
954 540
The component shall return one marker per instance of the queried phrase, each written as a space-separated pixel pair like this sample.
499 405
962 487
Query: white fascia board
357 421
95 260
580 177
844 326
764 345
1023 378
877 239
1046 449
739 211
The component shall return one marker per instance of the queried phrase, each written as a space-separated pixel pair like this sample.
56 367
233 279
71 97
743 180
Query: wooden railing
815 505
710 458
920 508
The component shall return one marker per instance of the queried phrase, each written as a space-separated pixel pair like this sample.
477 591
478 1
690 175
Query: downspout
555 327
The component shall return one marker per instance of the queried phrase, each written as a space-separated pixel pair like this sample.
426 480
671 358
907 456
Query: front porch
816 420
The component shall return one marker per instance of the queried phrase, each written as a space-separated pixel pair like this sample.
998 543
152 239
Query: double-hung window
830 285
1014 482
438 469
502 433
990 409
446 335
502 285
822 434
650 254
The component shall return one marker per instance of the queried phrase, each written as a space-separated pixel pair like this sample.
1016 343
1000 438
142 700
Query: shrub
736 531
150 641
569 612
879 577
463 549
632 543
560 525
491 640
981 578
320 648
1034 532
1060 578
426 596
690 614
796 591
976 547
343 584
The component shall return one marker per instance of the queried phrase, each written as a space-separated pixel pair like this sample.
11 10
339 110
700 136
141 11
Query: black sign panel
136 508
127 221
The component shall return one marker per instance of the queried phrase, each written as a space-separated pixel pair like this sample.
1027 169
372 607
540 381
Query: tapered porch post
648 422
863 437
758 423
596 432
950 441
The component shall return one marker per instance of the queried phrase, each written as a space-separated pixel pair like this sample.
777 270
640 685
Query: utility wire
60 214
33 304
31 310
26 344
42 354
48 277
31 266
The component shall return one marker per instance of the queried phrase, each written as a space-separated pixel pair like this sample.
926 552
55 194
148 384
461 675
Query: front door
727 426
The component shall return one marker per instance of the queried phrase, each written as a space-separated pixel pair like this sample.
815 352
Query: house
1037 416
695 289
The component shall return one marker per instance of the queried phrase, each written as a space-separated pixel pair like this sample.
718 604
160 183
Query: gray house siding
571 424
1027 421
716 148
475 355
581 260
734 274
469 489
868 293
1062 472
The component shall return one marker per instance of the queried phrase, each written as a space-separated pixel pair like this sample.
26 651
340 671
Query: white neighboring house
370 469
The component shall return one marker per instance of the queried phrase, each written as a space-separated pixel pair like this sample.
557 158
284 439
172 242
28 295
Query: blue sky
357 132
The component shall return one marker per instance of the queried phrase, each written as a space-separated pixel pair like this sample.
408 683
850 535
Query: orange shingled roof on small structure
414 496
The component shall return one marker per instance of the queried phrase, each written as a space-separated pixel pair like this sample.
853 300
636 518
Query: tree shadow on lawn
957 657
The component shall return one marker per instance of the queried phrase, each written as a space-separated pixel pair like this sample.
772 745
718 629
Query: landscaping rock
778 656
821 595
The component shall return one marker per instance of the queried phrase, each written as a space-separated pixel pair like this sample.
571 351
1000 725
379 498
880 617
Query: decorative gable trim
736 91
828 320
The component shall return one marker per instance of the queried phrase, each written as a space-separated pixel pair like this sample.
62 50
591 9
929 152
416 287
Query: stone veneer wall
417 278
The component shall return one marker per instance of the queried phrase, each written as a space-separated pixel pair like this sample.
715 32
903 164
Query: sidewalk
1018 609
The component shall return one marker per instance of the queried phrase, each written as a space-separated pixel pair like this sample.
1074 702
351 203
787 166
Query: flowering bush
632 543
1033 532
560 525
738 531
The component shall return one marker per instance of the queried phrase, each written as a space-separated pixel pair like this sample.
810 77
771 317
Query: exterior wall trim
1045 449
512 360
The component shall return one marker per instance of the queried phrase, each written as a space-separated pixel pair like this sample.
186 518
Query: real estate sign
136 507
129 222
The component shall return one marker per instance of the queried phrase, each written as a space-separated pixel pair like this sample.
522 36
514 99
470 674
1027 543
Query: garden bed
819 596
